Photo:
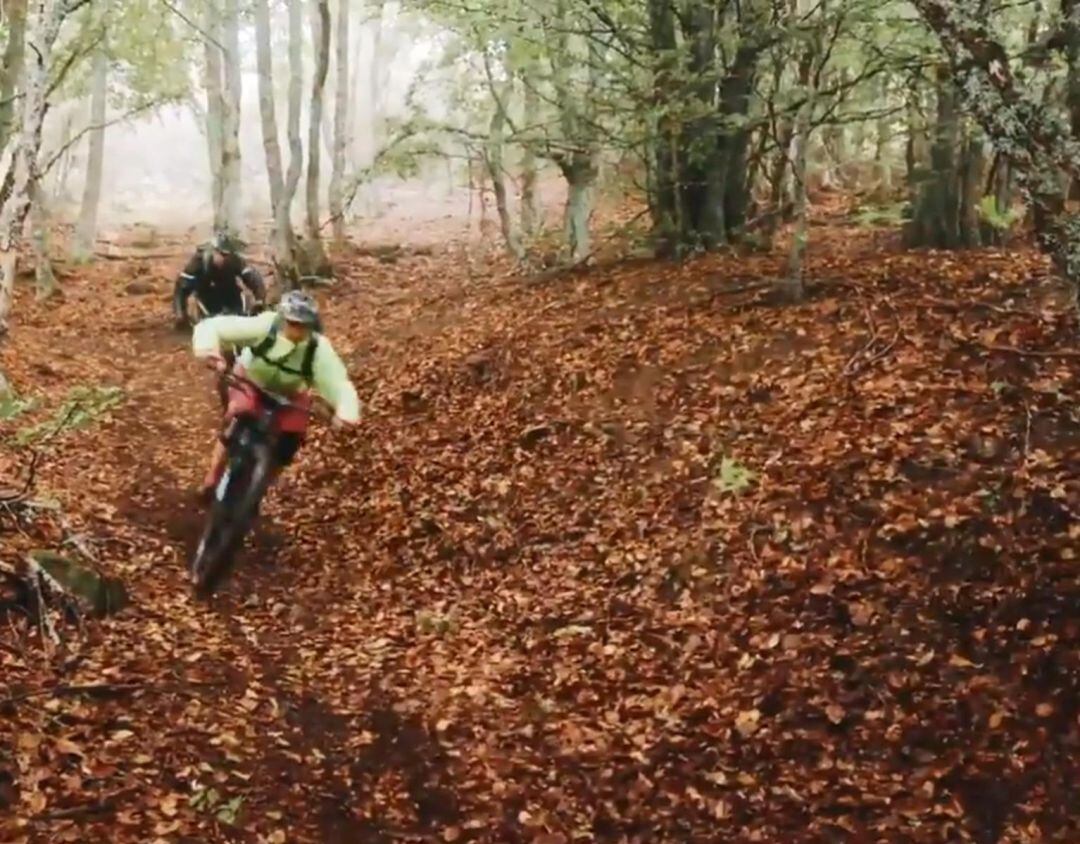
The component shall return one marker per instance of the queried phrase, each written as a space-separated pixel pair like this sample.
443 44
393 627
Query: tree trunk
702 210
267 108
935 218
972 178
1039 143
321 37
732 185
1071 31
580 176
230 147
215 112
12 70
63 166
282 238
883 135
530 208
358 36
86 231
999 186
664 191
44 277
376 93
779 207
43 26
916 150
341 122
493 158
287 270
791 288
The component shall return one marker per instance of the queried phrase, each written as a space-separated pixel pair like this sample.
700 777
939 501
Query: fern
998 218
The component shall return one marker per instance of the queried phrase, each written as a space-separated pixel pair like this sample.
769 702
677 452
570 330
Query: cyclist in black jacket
214 275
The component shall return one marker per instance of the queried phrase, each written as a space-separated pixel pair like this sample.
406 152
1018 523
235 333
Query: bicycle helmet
225 243
297 306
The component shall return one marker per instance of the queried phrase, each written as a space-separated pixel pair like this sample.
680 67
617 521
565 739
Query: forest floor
631 555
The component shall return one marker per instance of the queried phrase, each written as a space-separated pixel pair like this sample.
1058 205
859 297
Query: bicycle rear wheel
232 514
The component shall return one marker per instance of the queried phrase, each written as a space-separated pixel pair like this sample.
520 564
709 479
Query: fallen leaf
69 747
747 722
168 805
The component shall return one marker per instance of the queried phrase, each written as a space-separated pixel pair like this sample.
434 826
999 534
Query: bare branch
128 115
206 36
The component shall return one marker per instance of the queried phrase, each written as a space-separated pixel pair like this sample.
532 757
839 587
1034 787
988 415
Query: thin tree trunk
883 190
86 231
230 147
341 121
12 70
664 195
493 158
375 80
287 272
44 277
368 139
791 287
65 164
1072 79
43 26
530 208
281 238
972 178
357 38
215 112
62 168
576 107
779 207
321 36
580 176
267 107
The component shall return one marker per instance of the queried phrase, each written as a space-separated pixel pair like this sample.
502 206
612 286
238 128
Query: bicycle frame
263 423
248 475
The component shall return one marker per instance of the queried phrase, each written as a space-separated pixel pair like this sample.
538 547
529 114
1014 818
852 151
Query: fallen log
96 594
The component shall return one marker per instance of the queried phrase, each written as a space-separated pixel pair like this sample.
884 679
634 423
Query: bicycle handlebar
315 409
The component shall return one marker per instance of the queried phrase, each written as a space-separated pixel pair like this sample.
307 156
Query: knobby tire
232 517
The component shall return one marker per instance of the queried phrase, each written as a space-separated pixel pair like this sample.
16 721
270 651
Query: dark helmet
297 306
225 243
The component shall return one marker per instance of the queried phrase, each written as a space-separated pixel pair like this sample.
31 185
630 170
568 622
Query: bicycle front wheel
231 516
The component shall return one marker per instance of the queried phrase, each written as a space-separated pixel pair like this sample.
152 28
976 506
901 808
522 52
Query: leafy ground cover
628 555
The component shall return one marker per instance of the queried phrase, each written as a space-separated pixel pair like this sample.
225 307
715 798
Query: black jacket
217 288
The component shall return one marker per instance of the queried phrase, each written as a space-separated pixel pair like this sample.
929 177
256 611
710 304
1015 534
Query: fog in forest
156 169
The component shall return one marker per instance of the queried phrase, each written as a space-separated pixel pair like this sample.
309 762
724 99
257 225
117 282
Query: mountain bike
251 467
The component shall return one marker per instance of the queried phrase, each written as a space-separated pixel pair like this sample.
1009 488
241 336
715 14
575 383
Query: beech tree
320 27
44 20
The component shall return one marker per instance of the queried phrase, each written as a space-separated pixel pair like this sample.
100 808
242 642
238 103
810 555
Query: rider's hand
216 363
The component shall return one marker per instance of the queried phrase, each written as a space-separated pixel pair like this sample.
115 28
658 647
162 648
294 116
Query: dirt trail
534 600
245 659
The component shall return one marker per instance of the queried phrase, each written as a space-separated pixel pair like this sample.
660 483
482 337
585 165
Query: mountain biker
285 354
214 274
